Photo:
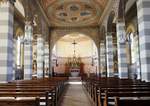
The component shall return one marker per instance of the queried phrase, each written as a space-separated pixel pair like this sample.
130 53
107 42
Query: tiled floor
75 96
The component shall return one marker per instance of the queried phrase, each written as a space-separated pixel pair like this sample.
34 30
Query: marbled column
27 61
40 56
6 40
109 54
99 62
143 12
50 63
28 51
46 59
122 56
137 57
14 56
102 59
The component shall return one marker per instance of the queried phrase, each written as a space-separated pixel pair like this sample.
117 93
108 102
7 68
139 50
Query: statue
122 38
28 32
37 24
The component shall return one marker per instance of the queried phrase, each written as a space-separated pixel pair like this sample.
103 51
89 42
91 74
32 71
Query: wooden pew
125 83
57 82
100 95
32 88
20 102
99 85
132 95
131 102
28 92
43 96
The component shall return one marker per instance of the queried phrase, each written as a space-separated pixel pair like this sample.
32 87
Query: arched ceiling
74 12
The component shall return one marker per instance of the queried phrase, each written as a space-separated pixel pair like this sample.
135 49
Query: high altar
74 67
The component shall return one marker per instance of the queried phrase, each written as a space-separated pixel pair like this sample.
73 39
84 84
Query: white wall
66 49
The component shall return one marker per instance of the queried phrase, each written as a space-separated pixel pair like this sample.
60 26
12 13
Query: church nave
74 52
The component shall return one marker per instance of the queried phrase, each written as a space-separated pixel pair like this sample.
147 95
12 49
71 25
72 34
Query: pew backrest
20 102
131 102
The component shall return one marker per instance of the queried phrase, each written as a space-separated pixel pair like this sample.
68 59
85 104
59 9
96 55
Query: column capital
120 20
46 43
39 35
120 23
135 33
28 33
102 42
109 33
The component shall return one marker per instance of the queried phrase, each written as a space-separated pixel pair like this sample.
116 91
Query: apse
75 49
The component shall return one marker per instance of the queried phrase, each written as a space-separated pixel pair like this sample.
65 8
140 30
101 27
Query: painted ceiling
74 12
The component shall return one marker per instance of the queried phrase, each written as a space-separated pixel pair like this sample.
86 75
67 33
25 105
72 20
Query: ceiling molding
106 11
43 12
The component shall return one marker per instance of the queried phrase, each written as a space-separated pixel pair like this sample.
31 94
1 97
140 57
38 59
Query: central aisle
75 96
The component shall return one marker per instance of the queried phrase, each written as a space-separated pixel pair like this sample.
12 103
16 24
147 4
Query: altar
74 64
75 72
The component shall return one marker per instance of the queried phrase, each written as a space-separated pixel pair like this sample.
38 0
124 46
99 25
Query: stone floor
75 96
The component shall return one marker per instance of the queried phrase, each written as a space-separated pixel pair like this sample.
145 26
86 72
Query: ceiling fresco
74 12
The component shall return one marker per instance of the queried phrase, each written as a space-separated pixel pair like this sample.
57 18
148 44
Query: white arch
71 38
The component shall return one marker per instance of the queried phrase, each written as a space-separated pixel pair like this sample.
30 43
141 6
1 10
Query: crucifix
74 43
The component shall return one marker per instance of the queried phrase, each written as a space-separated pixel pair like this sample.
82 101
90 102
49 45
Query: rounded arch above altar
73 52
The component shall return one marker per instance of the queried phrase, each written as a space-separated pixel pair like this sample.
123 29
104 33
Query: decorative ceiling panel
73 12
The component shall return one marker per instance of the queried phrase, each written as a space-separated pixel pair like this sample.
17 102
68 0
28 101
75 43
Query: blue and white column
40 56
109 54
143 12
14 56
102 59
122 56
28 51
137 56
6 40
46 59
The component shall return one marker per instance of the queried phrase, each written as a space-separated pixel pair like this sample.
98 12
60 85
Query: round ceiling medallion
85 13
73 7
74 19
61 7
61 14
